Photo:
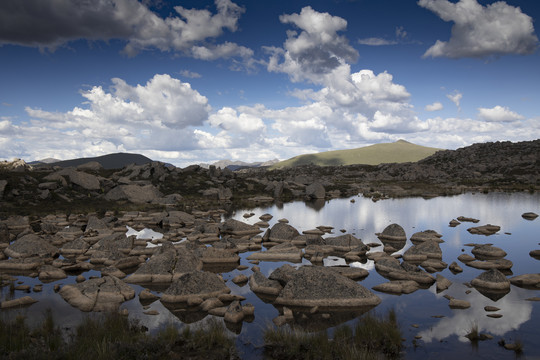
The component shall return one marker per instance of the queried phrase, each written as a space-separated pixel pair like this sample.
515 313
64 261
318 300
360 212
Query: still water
423 313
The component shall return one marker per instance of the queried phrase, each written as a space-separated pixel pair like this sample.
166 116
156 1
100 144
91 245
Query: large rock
103 294
526 280
428 249
422 236
398 287
484 229
491 279
281 252
347 243
313 286
82 179
262 285
76 247
281 232
29 246
202 284
134 193
315 191
238 228
51 273
488 252
393 232
167 264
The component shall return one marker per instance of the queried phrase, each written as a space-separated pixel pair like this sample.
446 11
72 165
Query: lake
424 313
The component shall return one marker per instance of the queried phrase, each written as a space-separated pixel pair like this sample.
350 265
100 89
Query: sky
188 82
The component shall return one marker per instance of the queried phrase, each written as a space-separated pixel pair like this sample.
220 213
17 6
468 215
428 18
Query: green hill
396 152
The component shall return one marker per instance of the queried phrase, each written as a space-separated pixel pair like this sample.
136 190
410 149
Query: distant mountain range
110 161
396 152
235 165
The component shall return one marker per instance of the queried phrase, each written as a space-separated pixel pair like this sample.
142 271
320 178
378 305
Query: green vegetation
373 338
113 336
397 152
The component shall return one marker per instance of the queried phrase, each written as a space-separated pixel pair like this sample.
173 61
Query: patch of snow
369 265
146 233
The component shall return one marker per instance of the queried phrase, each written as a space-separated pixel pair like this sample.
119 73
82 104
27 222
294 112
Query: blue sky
198 81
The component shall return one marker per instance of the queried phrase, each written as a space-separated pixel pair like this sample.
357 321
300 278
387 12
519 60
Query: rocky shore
501 166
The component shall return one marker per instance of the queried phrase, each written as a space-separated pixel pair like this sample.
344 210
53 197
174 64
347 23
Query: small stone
491 308
80 278
151 312
459 304
495 316
240 279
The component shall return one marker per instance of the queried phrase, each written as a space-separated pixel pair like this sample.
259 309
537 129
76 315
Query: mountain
110 161
396 152
44 161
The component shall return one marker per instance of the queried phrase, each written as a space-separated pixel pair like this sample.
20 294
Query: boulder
529 215
422 236
202 284
281 232
427 249
315 191
211 255
281 252
442 283
500 264
455 268
165 265
491 279
398 287
101 294
29 246
459 304
467 219
20 302
51 273
23 264
134 193
80 178
313 286
237 228
259 283
393 232
484 229
234 313
76 247
347 243
526 280
485 252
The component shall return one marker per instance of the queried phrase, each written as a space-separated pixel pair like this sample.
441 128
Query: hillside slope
396 152
110 161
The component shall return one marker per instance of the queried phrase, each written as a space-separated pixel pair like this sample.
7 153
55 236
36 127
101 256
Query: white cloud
436 106
374 41
317 50
190 74
228 119
498 114
456 98
49 25
482 31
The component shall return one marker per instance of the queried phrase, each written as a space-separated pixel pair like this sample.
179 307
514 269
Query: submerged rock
318 286
526 280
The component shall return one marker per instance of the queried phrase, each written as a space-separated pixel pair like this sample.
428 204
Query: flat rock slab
485 252
529 215
398 287
442 283
20 302
281 252
262 285
526 280
459 304
202 284
500 264
102 294
318 286
484 229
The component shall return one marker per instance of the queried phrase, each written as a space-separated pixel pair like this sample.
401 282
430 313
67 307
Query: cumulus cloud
228 119
316 50
482 31
158 115
498 114
456 98
436 106
50 24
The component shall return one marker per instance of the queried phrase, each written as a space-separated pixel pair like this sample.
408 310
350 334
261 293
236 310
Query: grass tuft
373 337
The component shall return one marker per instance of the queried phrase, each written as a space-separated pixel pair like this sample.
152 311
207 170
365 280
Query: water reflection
515 312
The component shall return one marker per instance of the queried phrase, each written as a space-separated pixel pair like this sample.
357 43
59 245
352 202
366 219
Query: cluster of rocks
489 166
